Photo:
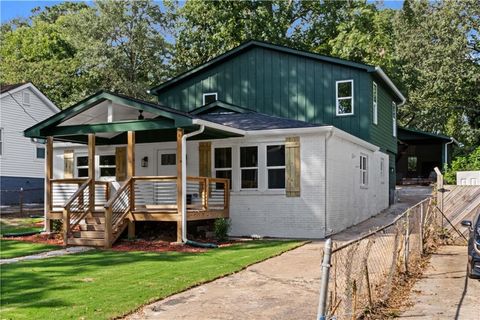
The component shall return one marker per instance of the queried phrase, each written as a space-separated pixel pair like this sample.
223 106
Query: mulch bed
51 239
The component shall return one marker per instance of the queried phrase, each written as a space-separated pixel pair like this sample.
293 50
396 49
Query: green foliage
470 162
108 284
221 228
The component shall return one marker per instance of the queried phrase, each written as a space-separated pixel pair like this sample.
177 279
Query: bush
222 226
469 162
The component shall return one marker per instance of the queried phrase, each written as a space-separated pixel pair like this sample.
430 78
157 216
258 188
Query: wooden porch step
86 242
91 227
94 220
89 234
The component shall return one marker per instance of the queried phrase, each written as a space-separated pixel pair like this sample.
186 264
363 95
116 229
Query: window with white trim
394 118
382 170
1 141
82 166
249 167
107 165
209 98
26 98
223 164
363 170
375 103
344 94
39 152
276 166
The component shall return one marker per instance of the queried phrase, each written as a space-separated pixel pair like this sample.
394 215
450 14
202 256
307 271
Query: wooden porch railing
76 208
116 211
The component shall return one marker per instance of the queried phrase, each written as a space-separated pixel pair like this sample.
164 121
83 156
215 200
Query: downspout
445 160
184 188
327 138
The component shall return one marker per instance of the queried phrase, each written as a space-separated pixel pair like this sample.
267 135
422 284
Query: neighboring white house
468 178
22 160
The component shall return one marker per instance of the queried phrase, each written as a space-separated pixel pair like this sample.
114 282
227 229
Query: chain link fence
363 272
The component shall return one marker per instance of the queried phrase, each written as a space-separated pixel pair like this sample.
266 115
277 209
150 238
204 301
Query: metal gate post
322 303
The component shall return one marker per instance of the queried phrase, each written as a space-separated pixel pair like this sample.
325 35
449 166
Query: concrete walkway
444 292
48 254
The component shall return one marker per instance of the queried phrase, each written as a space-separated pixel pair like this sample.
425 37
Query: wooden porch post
91 170
131 173
179 184
48 183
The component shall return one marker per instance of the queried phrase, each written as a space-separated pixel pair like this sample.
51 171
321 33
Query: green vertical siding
292 86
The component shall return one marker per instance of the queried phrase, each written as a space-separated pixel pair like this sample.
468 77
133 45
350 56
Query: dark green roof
410 134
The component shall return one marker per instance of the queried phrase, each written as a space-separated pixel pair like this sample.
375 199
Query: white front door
166 162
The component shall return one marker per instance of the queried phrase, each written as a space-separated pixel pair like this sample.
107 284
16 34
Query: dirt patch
162 246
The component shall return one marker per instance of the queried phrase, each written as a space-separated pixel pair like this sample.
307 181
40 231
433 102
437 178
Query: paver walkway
444 292
284 287
47 254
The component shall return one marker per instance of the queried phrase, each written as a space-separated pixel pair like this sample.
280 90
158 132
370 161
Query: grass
106 284
17 225
12 249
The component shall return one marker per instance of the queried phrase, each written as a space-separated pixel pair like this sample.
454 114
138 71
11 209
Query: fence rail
364 271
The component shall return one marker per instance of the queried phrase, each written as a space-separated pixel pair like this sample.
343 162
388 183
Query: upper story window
375 103
107 166
394 118
276 167
82 167
223 164
40 152
1 141
249 167
209 97
26 98
344 90
363 170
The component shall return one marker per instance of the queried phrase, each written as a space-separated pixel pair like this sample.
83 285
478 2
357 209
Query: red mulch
51 239
161 246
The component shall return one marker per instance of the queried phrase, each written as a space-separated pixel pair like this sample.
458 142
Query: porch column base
179 231
131 229
48 225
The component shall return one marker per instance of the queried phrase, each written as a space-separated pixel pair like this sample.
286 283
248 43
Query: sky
21 8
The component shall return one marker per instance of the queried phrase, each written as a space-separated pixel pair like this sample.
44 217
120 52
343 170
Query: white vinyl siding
1 141
18 152
344 97
375 103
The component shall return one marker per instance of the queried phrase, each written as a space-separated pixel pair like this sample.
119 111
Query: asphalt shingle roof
251 121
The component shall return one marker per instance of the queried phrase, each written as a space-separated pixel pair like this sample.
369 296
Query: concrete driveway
444 292
284 287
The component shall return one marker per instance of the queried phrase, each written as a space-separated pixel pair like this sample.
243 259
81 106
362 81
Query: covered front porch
96 200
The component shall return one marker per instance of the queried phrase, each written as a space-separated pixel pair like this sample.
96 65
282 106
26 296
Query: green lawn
16 225
106 284
12 248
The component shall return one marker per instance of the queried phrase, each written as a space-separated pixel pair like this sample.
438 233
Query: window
249 167
1 141
82 167
168 159
40 152
382 170
344 97
223 165
107 166
26 98
363 170
209 98
375 105
394 118
276 167
412 164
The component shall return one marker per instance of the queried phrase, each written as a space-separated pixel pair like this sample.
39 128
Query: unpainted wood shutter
205 159
121 163
68 163
292 163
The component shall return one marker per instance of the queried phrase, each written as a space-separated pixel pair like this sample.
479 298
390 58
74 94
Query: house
468 178
419 152
22 159
285 143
